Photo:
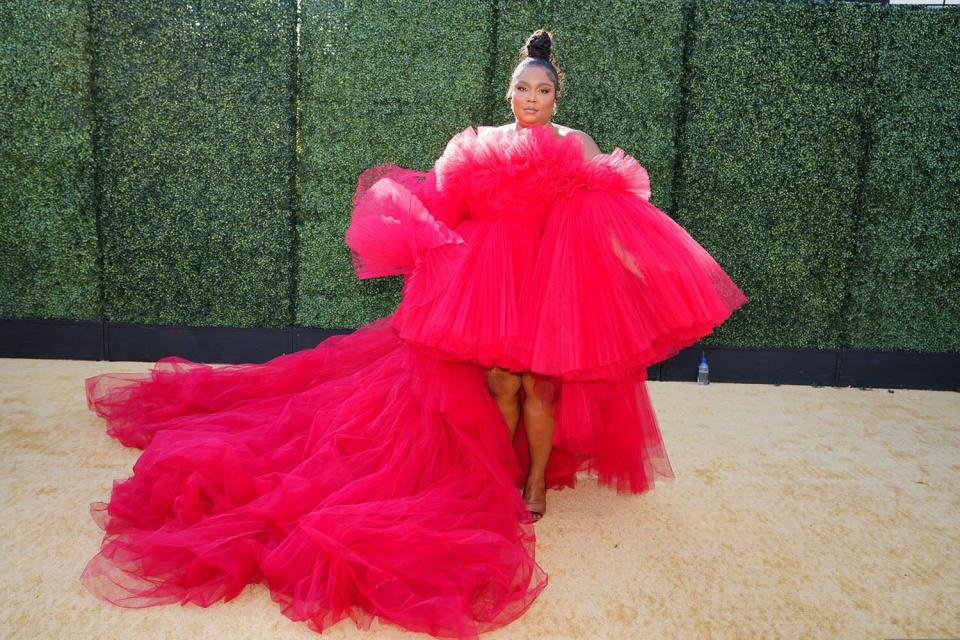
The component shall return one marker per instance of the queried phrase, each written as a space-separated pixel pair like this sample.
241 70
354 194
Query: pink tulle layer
618 286
356 479
519 254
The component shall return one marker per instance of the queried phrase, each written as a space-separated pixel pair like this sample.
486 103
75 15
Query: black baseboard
103 340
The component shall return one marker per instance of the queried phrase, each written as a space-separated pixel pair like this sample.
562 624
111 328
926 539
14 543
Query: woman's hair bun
539 45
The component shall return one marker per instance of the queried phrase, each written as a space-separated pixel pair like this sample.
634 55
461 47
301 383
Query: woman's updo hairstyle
538 49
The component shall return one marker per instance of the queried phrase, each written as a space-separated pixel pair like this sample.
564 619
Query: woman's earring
554 108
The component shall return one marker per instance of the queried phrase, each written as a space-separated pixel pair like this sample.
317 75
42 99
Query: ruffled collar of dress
543 133
520 147
543 157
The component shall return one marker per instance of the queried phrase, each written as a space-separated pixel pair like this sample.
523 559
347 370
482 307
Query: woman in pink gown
396 472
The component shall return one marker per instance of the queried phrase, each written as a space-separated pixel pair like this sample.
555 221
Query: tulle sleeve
399 213
618 284
615 171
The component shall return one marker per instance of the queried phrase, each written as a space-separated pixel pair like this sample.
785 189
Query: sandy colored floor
797 512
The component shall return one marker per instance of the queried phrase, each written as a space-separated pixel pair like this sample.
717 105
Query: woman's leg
538 422
504 386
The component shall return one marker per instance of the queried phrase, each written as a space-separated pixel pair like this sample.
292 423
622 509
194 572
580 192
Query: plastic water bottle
703 371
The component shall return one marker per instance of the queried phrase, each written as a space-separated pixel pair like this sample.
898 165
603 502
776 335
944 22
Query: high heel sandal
537 507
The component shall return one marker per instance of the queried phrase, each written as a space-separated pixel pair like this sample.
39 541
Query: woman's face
532 96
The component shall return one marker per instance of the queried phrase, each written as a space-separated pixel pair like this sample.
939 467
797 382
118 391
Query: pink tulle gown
373 476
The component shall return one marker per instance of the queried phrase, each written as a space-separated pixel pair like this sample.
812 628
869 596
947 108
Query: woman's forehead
533 74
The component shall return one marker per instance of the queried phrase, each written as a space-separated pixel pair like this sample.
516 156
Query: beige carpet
797 512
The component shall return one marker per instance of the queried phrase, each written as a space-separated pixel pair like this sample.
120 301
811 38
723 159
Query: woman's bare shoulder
590 148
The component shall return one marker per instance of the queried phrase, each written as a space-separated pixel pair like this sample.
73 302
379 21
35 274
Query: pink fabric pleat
356 479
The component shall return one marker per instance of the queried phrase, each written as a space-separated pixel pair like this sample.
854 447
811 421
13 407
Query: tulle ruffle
602 288
390 227
398 214
618 286
356 479
506 167
464 303
614 171
497 164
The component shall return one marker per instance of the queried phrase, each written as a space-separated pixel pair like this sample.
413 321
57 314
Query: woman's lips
529 110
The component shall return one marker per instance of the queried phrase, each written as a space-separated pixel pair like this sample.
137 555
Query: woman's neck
518 127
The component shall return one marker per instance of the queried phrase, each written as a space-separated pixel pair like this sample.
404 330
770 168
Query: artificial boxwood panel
906 281
48 231
771 154
196 161
379 82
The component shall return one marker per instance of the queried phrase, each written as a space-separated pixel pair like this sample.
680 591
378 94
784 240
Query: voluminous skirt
356 479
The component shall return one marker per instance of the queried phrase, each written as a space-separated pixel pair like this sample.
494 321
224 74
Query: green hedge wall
48 220
772 149
195 104
905 284
194 164
379 82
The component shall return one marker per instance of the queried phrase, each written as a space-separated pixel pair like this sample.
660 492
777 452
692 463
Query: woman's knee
541 391
503 383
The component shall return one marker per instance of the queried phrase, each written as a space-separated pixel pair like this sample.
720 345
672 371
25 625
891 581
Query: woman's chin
530 118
